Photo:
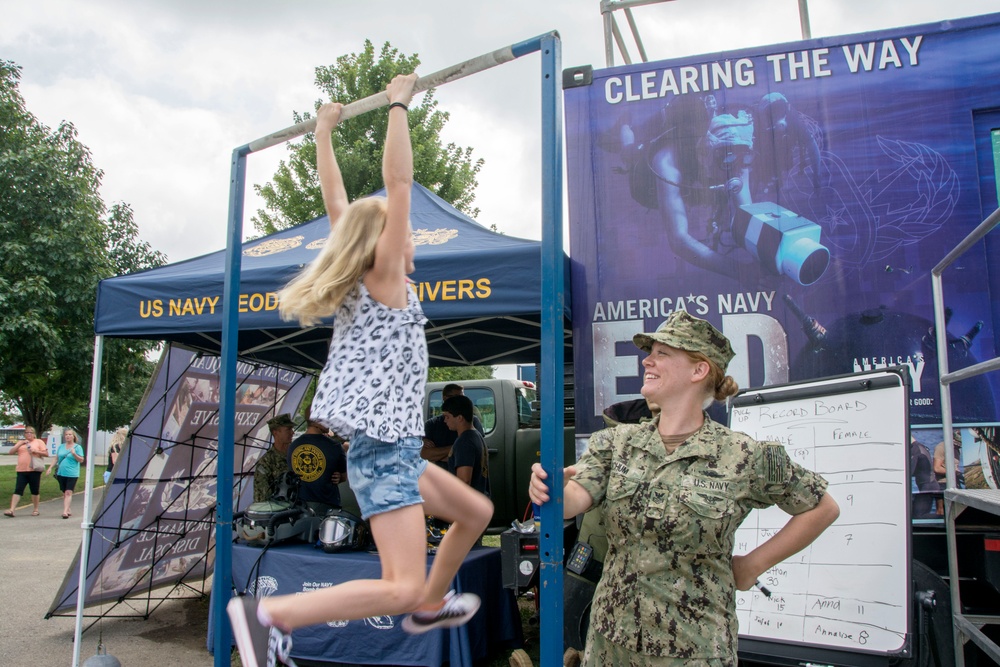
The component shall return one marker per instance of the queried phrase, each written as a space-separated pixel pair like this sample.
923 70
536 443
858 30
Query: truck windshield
526 399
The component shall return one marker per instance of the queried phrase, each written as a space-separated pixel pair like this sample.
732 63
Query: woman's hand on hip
743 574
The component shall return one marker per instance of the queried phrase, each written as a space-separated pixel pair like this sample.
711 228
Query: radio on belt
580 558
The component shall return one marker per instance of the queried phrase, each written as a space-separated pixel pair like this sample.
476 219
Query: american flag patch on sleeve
774 464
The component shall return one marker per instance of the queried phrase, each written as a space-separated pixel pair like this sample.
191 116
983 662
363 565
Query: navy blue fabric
464 271
293 568
325 457
468 452
436 430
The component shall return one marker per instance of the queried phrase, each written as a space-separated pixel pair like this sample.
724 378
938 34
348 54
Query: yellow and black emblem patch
308 462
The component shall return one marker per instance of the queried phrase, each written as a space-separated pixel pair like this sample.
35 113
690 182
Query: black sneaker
457 610
258 644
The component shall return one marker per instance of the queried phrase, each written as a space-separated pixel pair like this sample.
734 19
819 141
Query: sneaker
259 645
457 610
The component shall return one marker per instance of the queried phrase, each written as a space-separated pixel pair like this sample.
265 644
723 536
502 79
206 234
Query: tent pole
223 573
88 492
372 102
553 363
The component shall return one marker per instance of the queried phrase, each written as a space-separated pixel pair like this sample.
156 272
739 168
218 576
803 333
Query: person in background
115 450
320 464
273 465
469 458
438 438
673 491
30 447
69 456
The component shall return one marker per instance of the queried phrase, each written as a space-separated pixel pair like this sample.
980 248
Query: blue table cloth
296 568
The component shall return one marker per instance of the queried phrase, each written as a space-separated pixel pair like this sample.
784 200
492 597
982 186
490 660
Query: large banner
796 196
156 523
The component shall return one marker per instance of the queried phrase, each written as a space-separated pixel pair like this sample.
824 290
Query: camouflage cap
687 332
284 419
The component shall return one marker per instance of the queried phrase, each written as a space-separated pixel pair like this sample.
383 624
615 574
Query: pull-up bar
372 102
552 352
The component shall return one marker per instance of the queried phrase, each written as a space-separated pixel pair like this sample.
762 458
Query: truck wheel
520 659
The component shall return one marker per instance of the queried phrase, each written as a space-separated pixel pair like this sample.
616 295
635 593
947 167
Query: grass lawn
48 490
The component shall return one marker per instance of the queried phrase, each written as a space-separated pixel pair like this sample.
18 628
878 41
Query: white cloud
162 92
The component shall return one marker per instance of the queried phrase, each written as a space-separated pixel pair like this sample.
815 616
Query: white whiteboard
849 590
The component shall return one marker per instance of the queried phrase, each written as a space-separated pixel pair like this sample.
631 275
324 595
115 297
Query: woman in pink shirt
30 447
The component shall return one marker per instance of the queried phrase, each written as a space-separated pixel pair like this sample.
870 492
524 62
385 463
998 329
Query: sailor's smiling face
667 371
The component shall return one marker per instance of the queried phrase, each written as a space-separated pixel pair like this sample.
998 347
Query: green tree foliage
449 171
58 241
459 373
437 374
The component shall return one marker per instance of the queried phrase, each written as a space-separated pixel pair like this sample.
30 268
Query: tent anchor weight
102 659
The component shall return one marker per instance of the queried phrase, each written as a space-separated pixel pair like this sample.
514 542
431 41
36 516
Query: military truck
509 412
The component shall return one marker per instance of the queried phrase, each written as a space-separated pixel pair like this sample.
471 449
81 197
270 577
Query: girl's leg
14 500
67 500
401 536
449 498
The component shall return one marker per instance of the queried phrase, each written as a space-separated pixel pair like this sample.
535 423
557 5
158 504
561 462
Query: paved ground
35 554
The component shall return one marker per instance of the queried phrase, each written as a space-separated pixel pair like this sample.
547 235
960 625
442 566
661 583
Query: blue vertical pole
222 581
552 367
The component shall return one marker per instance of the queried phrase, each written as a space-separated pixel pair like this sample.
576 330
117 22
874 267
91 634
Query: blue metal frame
553 366
223 570
553 300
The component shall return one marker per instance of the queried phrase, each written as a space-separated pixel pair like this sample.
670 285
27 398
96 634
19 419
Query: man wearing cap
673 491
273 465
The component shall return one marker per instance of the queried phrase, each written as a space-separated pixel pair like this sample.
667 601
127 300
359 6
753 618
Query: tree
449 171
459 373
58 241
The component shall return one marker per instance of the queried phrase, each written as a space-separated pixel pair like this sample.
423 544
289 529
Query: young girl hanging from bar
372 387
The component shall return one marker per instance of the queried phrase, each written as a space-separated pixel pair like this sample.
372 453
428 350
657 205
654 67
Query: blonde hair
76 437
348 253
719 385
118 439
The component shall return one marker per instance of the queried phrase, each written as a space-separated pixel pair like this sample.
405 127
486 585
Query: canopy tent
481 291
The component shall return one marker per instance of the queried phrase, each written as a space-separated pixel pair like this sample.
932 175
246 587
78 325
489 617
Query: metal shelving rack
967 627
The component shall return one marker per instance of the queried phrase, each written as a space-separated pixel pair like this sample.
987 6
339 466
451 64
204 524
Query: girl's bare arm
386 281
331 181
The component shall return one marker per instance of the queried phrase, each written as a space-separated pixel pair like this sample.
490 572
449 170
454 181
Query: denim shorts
384 475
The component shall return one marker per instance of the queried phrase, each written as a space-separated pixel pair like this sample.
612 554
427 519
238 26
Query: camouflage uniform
667 589
268 474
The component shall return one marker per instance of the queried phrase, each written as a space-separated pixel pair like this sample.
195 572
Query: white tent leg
88 492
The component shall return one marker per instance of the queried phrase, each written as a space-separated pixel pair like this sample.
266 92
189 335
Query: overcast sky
162 92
